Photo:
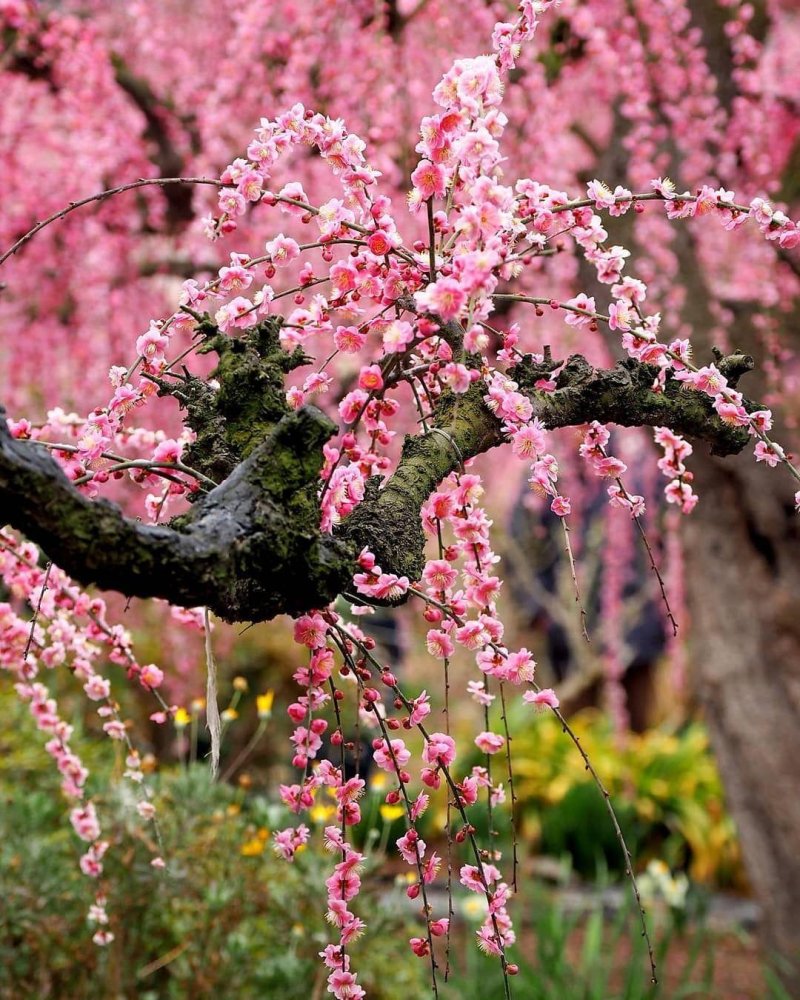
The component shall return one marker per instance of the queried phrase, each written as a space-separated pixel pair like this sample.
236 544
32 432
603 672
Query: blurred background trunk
743 580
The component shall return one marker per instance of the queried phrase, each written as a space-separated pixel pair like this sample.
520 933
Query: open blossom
439 644
489 742
445 297
115 729
420 708
546 698
146 809
529 440
769 452
586 305
398 757
600 194
477 690
288 842
411 847
97 688
85 823
282 250
370 378
310 630
518 667
349 339
439 749
477 879
429 180
239 312
151 676
439 574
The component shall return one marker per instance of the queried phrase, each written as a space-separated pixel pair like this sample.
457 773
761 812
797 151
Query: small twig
101 196
568 549
36 611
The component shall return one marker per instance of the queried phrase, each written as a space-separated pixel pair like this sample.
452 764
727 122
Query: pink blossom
489 742
97 688
370 378
383 758
429 180
115 729
282 250
349 339
84 821
411 847
440 749
439 644
445 297
546 698
151 676
769 452
310 631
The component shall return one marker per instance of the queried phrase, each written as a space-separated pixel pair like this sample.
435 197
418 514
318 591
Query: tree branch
249 550
387 521
252 548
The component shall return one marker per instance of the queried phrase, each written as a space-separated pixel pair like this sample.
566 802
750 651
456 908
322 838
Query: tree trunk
743 577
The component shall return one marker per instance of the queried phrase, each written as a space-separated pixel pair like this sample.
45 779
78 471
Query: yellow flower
252 848
264 704
198 704
390 813
229 714
378 781
240 684
474 907
182 719
320 813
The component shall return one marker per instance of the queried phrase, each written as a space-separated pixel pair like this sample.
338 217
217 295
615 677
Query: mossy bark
251 548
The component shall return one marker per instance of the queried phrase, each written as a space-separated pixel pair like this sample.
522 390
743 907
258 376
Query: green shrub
226 919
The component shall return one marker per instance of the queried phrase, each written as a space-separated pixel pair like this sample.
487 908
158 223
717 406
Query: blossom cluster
69 630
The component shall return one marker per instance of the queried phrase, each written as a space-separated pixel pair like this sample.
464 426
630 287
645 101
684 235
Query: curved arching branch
388 519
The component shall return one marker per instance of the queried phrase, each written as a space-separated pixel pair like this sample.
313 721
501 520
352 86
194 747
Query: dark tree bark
743 575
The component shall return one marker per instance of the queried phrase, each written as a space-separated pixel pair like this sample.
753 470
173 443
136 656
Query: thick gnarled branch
249 550
252 548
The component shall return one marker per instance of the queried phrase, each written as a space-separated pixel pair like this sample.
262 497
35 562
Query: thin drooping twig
459 804
36 611
101 196
507 733
651 557
341 641
589 767
212 708
570 556
620 836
